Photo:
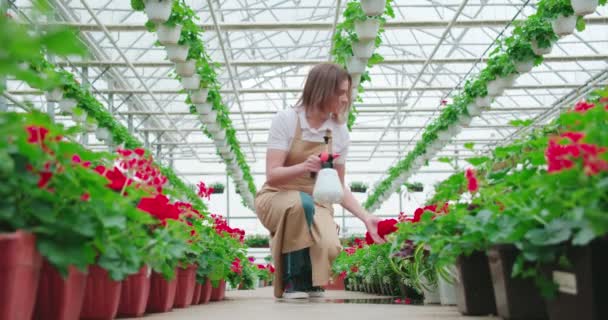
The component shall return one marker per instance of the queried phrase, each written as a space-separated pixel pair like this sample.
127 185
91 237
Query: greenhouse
181 159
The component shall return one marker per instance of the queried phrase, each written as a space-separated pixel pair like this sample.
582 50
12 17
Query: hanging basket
186 68
356 81
444 135
373 7
213 128
158 10
54 95
464 120
203 108
67 105
454 130
367 29
364 49
168 34
220 136
495 88
481 102
209 117
524 66
191 83
103 134
199 96
563 26
356 65
538 50
177 53
584 7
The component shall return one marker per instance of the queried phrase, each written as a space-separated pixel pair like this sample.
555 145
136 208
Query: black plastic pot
581 293
475 293
516 298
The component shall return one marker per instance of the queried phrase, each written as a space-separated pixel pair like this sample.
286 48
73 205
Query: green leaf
580 24
521 123
63 42
476 161
445 160
469 145
583 237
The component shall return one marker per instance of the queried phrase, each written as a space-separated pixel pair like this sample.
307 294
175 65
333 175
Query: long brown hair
322 84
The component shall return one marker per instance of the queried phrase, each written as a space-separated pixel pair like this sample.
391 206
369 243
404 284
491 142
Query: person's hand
312 164
371 223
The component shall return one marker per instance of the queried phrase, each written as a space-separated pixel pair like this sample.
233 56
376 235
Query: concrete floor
260 304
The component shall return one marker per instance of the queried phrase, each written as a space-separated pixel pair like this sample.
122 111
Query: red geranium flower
472 184
583 106
385 227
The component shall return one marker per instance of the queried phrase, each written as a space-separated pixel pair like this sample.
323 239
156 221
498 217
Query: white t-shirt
283 130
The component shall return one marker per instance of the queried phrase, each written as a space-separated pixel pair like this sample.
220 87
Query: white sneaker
316 294
295 295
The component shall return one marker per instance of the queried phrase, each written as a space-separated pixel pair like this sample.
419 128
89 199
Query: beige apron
280 210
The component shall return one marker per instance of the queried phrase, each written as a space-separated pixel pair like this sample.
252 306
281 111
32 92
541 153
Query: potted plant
218 188
584 7
363 50
539 32
177 53
55 95
357 186
67 105
356 65
168 33
414 187
79 115
373 7
186 68
103 134
367 29
199 96
561 14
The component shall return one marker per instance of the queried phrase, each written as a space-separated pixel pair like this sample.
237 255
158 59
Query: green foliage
257 241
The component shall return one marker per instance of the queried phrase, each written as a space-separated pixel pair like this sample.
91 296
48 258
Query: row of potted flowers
104 223
523 233
513 56
177 30
355 40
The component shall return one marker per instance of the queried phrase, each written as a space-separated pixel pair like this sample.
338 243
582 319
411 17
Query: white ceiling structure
271 44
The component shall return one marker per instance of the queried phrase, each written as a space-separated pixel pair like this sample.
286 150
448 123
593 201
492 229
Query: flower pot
102 295
199 96
563 26
584 7
464 120
203 108
209 117
581 287
103 134
186 280
335 283
191 83
177 53
67 105
373 7
444 135
364 49
431 293
158 11
367 29
355 65
356 81
59 298
495 87
481 102
168 34
186 68
474 288
196 297
454 129
538 50
206 291
54 95
516 298
447 290
162 293
219 293
213 128
91 126
135 293
20 265
220 136
524 66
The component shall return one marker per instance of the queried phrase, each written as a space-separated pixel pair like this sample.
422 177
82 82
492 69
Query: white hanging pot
220 135
158 11
67 105
228 156
91 125
508 81
448 294
168 34
238 175
367 29
209 117
584 7
495 88
177 53
563 26
474 110
79 118
199 96
355 65
373 7
454 130
191 83
219 143
524 66
54 95
186 69
203 108
328 188
540 51
102 134
464 120
213 128
482 102
356 81
444 135
364 49
224 150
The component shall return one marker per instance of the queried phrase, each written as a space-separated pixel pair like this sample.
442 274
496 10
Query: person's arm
277 174
352 205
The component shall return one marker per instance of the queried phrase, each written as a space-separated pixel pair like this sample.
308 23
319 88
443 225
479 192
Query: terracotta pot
134 294
101 297
206 291
59 298
219 293
196 297
162 293
19 271
186 280
335 284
